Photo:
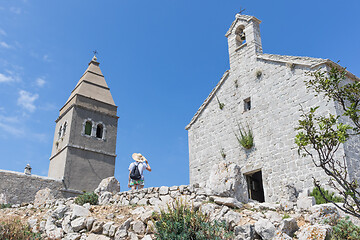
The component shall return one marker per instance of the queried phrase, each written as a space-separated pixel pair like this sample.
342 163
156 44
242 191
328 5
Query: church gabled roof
92 84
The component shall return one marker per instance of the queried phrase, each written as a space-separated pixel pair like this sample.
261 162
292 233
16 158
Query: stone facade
264 91
84 145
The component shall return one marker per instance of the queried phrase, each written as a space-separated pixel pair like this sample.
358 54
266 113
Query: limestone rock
72 236
42 196
120 234
106 228
138 227
147 237
265 229
97 227
59 212
105 198
132 236
245 232
78 224
316 231
163 190
228 201
305 203
146 216
79 211
289 226
324 211
109 184
97 237
232 218
89 223
226 181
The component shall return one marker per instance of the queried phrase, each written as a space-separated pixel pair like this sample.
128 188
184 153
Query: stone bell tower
83 151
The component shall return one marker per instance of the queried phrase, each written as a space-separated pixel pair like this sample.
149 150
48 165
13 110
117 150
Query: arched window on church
99 131
240 35
64 129
59 133
88 127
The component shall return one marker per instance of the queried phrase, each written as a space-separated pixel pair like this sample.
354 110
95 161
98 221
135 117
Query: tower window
247 104
88 127
99 131
60 132
64 129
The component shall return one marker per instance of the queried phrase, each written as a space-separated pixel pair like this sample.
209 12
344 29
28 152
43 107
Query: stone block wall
275 97
16 188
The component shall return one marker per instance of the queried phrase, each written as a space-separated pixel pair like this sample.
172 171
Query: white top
141 166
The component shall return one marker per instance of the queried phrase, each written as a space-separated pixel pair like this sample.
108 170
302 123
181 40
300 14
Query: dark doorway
255 186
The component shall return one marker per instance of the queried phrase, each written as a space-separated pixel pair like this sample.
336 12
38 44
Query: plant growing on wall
222 152
245 136
319 137
221 105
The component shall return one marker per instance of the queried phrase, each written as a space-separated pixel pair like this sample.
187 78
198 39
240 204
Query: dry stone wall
16 188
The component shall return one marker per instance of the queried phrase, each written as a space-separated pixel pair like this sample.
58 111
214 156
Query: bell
242 36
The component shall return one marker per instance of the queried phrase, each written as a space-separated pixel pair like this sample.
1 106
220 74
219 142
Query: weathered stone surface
143 201
147 237
42 196
3 199
132 236
164 190
146 216
59 212
97 227
97 237
289 226
105 198
324 211
316 231
89 223
245 232
226 180
305 203
228 201
265 229
120 234
72 236
109 184
138 227
274 217
79 211
106 228
78 224
232 218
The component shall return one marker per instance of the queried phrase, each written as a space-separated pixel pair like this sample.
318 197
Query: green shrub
320 199
181 222
345 229
5 205
91 198
15 229
286 216
245 137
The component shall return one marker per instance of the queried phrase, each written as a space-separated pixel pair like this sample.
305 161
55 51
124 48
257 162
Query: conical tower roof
91 91
92 84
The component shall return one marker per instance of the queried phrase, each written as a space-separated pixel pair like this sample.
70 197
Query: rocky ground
127 215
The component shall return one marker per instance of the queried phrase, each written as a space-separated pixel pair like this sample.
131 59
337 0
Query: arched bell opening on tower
88 128
240 35
99 131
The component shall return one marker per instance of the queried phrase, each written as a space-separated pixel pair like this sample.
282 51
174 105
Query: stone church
264 92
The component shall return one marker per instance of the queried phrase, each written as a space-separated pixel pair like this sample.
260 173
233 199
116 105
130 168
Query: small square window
247 104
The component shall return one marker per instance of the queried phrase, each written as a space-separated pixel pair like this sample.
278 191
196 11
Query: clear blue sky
160 59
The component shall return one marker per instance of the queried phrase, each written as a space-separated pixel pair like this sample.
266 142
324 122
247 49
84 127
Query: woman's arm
147 165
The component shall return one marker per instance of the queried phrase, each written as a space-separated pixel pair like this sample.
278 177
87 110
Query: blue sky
160 59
